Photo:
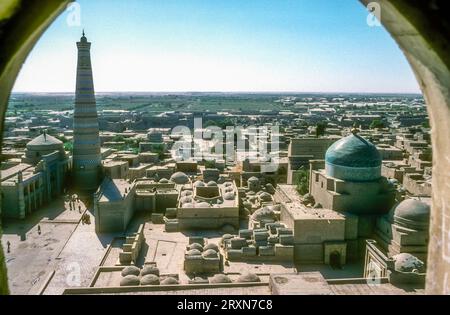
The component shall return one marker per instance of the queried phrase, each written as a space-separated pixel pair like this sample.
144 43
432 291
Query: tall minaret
87 169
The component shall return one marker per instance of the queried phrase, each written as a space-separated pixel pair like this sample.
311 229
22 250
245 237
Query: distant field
159 102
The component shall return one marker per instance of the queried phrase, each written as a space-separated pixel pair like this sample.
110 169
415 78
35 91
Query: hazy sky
221 45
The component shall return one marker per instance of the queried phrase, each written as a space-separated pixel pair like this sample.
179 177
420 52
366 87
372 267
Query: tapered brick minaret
87 169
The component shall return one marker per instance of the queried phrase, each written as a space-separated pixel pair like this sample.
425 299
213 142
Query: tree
320 128
159 149
301 180
68 146
210 163
210 123
377 123
118 138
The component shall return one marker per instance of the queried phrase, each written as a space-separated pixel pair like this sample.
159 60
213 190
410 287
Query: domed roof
44 140
264 196
211 184
193 252
199 183
169 280
405 262
150 279
150 270
211 246
353 158
229 189
209 253
196 246
129 280
130 270
353 151
220 278
248 277
179 178
185 193
411 212
228 195
264 213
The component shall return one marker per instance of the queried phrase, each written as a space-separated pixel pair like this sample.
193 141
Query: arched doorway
335 260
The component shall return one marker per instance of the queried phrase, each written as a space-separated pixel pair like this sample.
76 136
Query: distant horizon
226 92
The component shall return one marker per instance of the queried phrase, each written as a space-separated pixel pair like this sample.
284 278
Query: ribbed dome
353 151
411 212
264 213
179 178
353 158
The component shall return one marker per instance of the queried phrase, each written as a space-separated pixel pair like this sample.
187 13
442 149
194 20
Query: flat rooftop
299 211
114 190
12 171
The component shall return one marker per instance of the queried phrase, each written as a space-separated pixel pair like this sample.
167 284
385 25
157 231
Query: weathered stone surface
196 246
247 234
130 270
149 270
150 279
210 253
249 251
129 280
169 280
238 242
211 246
266 250
220 278
193 252
248 277
234 254
286 239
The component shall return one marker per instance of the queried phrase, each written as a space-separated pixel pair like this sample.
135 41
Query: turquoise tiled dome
353 158
353 151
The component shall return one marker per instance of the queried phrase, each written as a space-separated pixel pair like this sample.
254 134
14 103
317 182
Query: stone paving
33 256
80 258
350 270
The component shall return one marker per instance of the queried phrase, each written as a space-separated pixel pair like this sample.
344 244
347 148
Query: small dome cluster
210 250
148 275
264 214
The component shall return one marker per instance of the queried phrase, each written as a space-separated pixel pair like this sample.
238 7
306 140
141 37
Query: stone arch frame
420 29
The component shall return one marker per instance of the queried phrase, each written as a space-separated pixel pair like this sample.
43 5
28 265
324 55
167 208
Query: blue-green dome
353 151
353 158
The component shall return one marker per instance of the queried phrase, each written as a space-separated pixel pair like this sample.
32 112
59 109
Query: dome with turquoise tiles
353 158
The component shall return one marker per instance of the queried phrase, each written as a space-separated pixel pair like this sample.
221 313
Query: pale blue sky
227 45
